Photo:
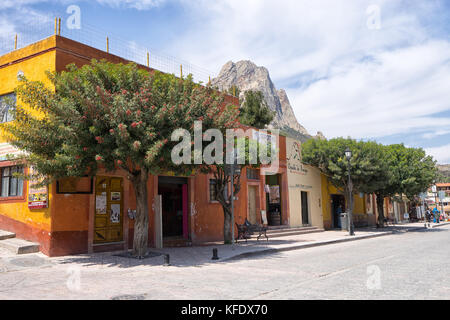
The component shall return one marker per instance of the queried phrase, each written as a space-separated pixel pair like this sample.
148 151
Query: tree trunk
140 241
380 208
227 238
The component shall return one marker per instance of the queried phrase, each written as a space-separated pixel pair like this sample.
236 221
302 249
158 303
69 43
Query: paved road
412 265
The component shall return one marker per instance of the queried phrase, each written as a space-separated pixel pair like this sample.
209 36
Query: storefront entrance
305 208
337 207
174 198
273 199
108 223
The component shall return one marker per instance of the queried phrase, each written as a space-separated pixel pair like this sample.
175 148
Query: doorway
305 208
273 199
108 218
252 207
174 205
337 207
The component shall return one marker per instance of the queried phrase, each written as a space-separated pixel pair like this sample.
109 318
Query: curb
440 224
316 244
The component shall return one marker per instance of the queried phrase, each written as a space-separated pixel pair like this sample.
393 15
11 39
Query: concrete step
287 229
293 233
6 235
19 246
172 243
288 232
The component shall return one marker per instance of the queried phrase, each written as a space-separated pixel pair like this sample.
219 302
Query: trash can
344 221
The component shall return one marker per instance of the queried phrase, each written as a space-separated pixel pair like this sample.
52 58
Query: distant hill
444 170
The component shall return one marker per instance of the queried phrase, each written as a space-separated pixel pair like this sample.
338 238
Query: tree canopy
386 171
367 167
254 111
112 116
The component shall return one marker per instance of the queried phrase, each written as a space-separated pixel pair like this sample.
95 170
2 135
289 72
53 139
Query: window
252 174
7 102
212 191
11 186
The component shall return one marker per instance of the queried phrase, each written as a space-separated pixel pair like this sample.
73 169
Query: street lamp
348 155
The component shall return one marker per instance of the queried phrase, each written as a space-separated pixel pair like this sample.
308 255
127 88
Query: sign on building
37 197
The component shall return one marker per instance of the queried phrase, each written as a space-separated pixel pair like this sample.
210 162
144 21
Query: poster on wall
115 196
100 203
274 195
115 213
37 197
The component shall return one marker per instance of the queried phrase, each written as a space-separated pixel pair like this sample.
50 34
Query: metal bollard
166 260
215 256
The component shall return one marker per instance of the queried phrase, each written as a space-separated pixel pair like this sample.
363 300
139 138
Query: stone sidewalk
201 255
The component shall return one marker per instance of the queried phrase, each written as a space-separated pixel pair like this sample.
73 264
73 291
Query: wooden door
108 224
252 204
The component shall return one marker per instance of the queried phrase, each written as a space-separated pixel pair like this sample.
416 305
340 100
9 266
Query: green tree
254 111
411 172
247 158
112 116
367 168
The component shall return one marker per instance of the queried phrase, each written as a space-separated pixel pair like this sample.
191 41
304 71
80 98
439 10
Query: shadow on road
179 256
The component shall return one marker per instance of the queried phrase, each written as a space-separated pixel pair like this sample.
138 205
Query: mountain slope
245 75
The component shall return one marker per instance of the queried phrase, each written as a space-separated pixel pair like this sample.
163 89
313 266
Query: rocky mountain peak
246 75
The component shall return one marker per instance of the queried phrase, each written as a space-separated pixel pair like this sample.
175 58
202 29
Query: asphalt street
405 265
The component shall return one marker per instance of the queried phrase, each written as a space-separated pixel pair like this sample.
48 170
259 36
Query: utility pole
232 203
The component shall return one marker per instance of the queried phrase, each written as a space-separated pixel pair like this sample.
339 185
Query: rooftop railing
41 28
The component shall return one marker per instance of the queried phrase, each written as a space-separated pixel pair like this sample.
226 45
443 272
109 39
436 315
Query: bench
247 229
388 221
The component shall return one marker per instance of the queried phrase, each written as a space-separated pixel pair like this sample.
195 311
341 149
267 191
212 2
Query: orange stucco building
95 214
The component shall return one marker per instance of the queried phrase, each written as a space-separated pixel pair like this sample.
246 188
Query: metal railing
44 27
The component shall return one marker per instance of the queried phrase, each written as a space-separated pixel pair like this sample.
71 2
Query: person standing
428 217
436 214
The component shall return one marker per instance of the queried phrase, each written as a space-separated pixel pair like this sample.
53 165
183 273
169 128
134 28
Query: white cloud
345 78
395 92
136 4
435 133
441 154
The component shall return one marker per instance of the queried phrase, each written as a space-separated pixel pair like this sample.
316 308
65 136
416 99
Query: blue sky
377 69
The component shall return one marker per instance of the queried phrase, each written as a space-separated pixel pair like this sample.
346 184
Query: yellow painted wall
34 69
302 178
327 190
